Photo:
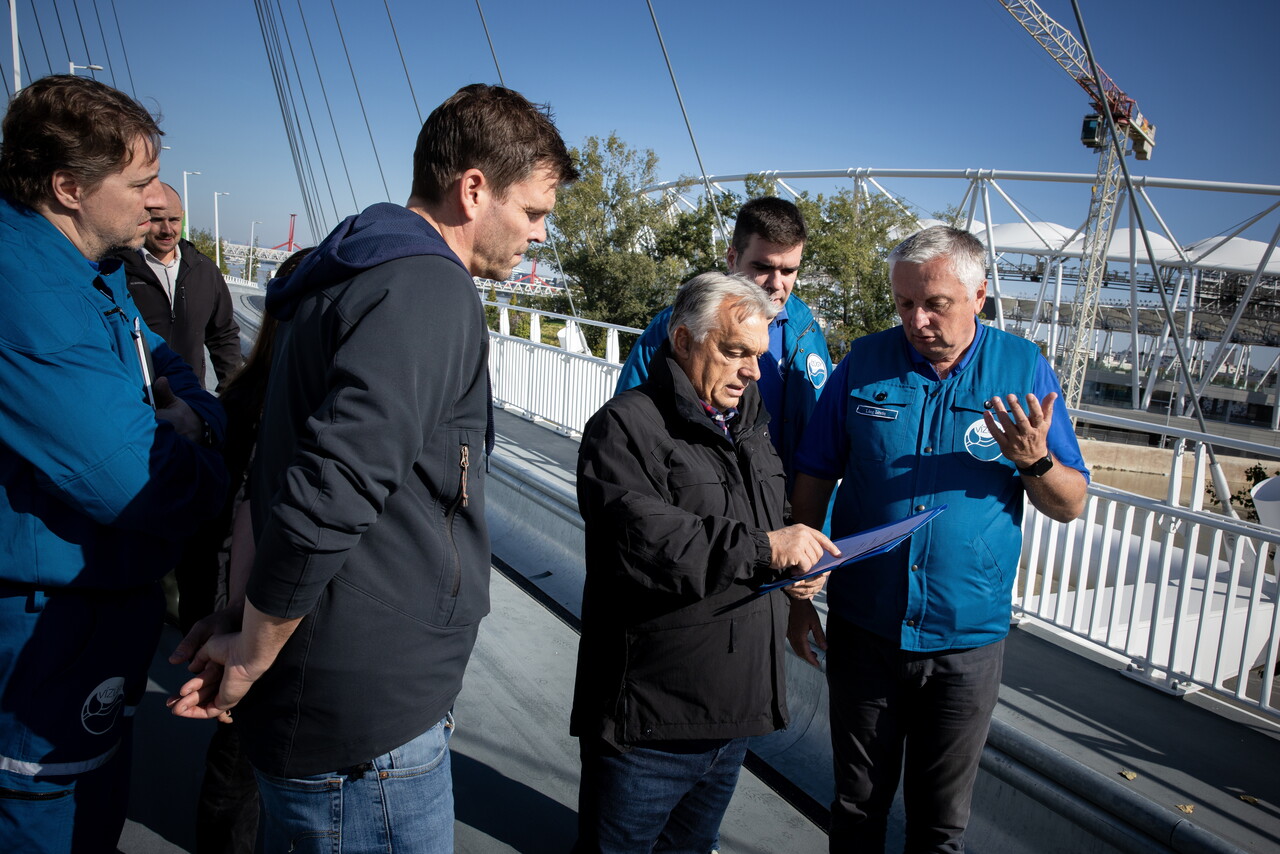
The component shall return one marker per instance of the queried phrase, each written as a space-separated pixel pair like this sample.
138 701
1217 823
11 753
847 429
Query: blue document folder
863 545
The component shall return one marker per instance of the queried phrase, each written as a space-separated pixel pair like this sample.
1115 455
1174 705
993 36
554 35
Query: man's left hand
1022 434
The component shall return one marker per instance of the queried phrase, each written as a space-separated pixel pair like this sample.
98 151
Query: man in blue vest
768 242
941 410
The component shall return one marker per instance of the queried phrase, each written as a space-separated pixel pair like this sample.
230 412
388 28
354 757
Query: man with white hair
915 417
684 501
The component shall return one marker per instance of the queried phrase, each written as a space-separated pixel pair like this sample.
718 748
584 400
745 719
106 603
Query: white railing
1187 597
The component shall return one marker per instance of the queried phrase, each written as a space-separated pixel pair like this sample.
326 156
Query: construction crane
1067 51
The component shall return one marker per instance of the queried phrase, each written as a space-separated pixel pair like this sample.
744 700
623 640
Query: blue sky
797 85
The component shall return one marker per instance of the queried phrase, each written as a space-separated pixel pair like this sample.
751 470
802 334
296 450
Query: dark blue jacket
806 367
367 495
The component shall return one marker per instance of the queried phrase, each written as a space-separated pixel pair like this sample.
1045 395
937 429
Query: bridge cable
62 31
403 64
40 30
111 69
297 73
360 99
88 57
317 215
22 52
1117 140
266 24
484 24
560 266
706 182
124 49
333 123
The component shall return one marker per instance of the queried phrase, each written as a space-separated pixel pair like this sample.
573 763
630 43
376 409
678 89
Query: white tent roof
1238 255
1118 251
1046 238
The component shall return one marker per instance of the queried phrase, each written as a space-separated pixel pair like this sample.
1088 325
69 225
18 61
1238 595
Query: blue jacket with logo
912 442
806 367
95 496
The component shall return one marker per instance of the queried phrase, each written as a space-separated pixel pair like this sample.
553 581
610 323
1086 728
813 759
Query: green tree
607 235
845 274
203 240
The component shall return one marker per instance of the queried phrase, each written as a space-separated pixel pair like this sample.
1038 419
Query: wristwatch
1038 468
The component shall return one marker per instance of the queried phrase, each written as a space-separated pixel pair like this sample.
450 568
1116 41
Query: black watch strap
1038 468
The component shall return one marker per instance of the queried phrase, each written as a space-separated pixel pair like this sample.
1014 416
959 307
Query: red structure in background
289 245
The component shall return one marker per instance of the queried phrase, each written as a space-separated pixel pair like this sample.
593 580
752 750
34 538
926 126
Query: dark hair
492 129
246 390
772 219
72 123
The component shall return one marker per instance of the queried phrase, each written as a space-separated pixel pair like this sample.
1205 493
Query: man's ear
731 259
980 297
471 192
68 191
681 342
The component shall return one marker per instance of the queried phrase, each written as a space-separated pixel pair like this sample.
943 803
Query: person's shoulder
1017 343
626 410
193 256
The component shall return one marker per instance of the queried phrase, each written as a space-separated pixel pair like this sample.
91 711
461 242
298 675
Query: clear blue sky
795 85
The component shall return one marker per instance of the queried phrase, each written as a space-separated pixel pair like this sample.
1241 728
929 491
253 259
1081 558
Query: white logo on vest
816 369
102 706
979 442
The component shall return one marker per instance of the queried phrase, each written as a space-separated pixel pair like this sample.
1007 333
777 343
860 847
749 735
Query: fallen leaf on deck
1249 799
1128 775
1186 808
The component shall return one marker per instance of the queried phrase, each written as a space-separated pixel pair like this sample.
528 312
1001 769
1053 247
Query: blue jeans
663 796
400 801
934 708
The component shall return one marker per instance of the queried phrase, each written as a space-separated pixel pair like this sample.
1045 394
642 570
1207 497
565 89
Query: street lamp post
85 67
186 219
248 264
217 237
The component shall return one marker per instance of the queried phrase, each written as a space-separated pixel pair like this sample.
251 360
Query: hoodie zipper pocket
463 499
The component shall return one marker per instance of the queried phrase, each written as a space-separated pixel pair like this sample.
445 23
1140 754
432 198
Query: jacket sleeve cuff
764 555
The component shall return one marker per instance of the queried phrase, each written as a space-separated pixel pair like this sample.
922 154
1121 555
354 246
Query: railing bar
1269 670
1064 572
1122 573
1105 559
1228 609
1206 599
1190 540
1161 592
1084 533
1255 601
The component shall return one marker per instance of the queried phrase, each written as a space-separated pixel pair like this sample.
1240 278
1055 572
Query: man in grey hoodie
371 574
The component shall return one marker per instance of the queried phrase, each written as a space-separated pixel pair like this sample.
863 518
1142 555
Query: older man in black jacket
684 501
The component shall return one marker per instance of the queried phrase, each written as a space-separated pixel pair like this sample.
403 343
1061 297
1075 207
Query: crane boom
1061 44
1070 54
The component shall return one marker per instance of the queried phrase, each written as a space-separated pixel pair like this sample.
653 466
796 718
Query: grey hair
698 302
967 254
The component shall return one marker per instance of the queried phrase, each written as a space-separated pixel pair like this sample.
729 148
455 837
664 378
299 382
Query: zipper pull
466 464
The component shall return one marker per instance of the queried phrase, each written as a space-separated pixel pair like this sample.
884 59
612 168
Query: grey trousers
887 704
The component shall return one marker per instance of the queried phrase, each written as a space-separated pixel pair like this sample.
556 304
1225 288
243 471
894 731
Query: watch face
1039 467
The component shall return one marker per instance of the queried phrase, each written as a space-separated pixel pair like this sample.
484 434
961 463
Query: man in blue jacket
941 410
367 491
104 461
768 242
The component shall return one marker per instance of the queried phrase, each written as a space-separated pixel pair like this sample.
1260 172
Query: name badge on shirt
877 412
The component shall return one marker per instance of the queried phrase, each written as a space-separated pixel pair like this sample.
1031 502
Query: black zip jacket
367 495
675 645
201 314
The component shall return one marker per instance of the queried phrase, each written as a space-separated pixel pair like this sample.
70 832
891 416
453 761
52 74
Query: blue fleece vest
915 443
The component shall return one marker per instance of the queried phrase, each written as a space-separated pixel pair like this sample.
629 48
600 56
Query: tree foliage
606 235
203 240
845 278
624 254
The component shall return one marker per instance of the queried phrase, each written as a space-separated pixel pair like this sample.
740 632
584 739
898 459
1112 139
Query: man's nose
751 369
154 196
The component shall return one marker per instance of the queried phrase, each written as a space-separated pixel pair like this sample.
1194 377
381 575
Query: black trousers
887 705
227 813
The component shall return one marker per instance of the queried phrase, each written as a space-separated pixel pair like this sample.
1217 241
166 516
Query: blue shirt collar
923 365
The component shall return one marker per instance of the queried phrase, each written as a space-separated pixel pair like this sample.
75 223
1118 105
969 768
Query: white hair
698 302
967 254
